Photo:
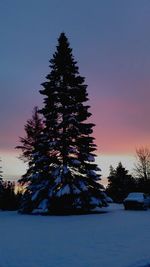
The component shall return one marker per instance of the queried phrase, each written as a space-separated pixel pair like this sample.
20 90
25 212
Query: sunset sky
110 41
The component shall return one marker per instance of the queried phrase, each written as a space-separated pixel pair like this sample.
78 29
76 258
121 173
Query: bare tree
142 166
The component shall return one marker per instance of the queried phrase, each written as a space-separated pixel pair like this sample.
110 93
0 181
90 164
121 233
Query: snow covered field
117 238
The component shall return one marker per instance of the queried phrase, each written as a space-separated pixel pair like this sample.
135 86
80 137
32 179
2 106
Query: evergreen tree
120 183
33 129
74 177
1 184
34 149
71 183
0 172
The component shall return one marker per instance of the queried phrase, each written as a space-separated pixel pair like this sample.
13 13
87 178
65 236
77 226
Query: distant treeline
121 183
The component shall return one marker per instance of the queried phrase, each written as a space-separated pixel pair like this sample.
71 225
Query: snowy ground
117 238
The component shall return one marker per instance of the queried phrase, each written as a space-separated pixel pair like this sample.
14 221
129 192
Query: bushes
9 200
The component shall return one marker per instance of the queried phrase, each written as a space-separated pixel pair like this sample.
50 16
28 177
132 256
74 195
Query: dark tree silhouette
34 149
1 184
0 172
9 199
120 183
33 129
142 167
70 183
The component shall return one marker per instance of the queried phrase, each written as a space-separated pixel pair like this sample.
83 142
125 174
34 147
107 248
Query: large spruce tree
74 178
71 181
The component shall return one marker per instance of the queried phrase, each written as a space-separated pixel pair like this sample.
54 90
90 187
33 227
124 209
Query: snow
115 238
41 159
42 208
76 190
108 199
72 149
93 173
43 204
35 195
65 169
83 186
34 176
95 201
135 196
65 190
56 171
58 179
91 158
76 162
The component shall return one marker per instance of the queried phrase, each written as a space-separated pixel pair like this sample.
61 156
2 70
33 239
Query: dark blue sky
110 41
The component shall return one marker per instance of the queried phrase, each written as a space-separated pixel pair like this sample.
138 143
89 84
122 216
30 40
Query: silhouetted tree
142 167
70 183
9 199
0 172
1 184
120 183
31 145
34 149
33 129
